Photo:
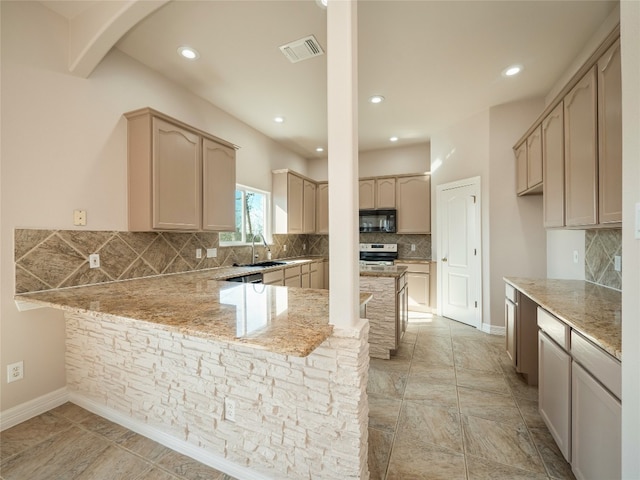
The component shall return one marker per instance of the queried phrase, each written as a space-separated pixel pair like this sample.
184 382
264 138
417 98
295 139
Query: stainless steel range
378 253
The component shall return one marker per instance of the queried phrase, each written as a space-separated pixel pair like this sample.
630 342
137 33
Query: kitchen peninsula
166 356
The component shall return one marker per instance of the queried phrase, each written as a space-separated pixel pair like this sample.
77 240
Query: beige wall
517 239
460 152
511 225
385 161
64 147
630 38
560 247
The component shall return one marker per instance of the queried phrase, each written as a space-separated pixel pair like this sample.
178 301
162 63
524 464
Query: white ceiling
435 62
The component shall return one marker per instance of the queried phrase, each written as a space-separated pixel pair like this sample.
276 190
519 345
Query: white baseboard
493 329
23 412
169 441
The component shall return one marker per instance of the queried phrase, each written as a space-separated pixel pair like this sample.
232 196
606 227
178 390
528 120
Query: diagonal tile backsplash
601 248
47 259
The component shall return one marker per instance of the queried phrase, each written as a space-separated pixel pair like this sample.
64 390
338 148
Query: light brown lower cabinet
596 428
554 391
275 277
292 276
579 394
418 287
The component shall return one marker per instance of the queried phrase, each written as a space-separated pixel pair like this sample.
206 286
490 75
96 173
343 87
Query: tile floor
450 406
70 443
447 406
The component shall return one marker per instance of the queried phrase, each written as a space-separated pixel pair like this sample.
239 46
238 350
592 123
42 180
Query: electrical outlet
94 260
15 371
617 263
413 247
198 253
229 410
284 248
79 217
304 246
575 256
212 252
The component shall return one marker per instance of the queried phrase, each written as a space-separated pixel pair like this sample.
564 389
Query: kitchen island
387 311
248 378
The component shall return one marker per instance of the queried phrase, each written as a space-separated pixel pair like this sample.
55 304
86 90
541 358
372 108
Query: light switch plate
212 252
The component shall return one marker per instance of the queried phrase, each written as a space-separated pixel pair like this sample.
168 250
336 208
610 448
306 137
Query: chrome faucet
254 255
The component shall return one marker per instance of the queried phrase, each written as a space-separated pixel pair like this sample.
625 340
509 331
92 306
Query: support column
342 109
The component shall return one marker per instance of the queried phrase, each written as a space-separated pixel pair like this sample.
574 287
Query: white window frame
267 219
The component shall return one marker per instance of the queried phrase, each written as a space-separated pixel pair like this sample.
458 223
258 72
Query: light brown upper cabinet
172 169
294 203
610 136
367 194
553 163
309 205
581 153
529 164
521 168
322 208
413 202
219 186
385 192
534 159
377 193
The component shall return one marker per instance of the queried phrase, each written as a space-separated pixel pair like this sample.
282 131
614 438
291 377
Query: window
252 217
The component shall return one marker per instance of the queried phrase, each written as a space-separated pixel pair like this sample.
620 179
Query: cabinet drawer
415 267
554 328
292 271
510 292
272 277
606 369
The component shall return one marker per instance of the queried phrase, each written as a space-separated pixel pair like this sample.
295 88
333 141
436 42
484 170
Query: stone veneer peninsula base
296 417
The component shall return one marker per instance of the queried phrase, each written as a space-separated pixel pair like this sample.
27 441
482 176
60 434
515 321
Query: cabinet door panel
596 429
418 291
510 324
218 189
610 136
177 177
386 193
580 154
295 196
367 194
554 392
322 209
413 201
553 167
534 158
521 168
309 205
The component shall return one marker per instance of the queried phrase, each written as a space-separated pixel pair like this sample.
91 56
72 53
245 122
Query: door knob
444 259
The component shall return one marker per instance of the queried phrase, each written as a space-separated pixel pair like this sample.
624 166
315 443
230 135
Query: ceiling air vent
302 49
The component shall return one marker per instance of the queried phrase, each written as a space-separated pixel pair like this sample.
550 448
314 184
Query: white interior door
459 261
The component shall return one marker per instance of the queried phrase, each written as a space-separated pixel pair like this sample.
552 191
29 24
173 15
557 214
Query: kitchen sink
270 263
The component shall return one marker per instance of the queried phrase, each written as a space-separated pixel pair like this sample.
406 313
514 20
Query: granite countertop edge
591 310
299 335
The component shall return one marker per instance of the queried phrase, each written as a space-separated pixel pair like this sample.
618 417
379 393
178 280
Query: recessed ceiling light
393 139
319 149
376 99
512 70
188 53
278 119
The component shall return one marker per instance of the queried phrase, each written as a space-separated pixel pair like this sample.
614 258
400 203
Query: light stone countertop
590 309
289 321
423 261
382 271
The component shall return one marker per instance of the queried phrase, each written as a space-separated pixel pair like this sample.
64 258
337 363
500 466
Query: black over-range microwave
378 220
